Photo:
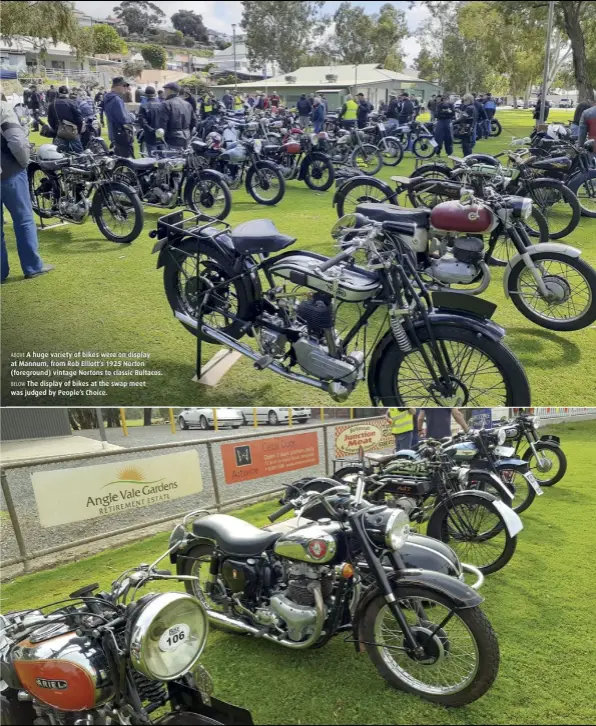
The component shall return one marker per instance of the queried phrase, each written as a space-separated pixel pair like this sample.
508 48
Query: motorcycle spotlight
535 421
387 528
168 635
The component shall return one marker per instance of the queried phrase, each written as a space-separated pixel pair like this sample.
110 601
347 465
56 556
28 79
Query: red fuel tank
292 147
66 672
456 217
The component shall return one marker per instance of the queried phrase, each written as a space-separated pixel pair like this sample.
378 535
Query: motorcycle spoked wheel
504 250
367 158
495 128
432 171
265 184
486 373
319 174
523 492
558 204
552 472
475 531
44 191
584 187
118 212
180 284
428 192
423 148
567 279
461 659
391 151
208 196
358 191
125 175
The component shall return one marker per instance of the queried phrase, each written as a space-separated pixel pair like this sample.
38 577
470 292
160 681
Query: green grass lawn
108 297
541 605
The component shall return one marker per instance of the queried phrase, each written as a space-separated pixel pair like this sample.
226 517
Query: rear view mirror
344 224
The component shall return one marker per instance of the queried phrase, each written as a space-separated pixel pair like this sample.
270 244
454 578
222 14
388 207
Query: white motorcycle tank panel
419 242
353 284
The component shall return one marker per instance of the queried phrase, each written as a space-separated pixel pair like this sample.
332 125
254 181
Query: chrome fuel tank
315 543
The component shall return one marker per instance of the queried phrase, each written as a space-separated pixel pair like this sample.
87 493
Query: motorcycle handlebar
344 255
280 512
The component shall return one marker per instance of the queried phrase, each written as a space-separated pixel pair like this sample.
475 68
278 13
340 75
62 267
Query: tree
389 31
222 44
139 15
133 68
189 42
425 65
281 30
39 22
106 40
188 23
155 55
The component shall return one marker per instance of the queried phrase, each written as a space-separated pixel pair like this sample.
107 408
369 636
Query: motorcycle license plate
512 520
506 452
433 143
533 482
381 127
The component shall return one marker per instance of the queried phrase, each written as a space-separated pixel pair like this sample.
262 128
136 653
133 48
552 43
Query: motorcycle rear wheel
558 204
359 191
505 379
425 609
504 249
423 148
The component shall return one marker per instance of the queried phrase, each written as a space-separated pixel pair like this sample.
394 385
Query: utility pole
235 69
549 32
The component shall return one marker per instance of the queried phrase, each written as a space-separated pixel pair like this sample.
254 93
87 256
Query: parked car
203 418
565 103
275 416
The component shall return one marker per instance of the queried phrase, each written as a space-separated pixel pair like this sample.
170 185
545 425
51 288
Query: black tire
369 188
429 191
495 128
423 148
43 190
182 423
181 292
515 386
272 419
477 625
313 169
523 492
204 424
202 194
558 283
505 251
271 172
391 151
127 203
544 192
434 171
584 187
484 483
187 566
557 452
444 526
367 151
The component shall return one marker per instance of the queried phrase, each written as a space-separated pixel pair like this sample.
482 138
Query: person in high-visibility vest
208 106
401 421
349 112
238 102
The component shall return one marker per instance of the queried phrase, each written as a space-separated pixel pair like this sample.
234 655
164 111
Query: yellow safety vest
401 421
238 104
207 106
351 111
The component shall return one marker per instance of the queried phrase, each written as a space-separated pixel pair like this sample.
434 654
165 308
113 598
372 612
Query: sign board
256 458
372 436
482 418
72 495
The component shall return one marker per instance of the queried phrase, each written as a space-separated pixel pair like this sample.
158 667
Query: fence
30 540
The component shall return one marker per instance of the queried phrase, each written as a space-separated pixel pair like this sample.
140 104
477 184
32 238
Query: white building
224 61
23 54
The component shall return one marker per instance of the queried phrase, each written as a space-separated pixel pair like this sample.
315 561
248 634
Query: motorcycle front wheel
367 158
550 466
209 196
319 174
360 191
391 150
485 372
495 128
584 186
423 148
118 212
571 284
265 184
461 659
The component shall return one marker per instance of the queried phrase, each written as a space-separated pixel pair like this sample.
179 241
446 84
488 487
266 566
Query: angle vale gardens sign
86 492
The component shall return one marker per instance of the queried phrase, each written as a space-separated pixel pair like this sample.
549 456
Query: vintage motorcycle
298 158
99 659
175 177
430 352
379 134
350 147
544 455
71 188
301 588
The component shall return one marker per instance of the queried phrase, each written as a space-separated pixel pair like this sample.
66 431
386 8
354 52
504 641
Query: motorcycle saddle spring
399 333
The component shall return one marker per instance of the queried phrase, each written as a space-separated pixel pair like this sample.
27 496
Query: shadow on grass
528 343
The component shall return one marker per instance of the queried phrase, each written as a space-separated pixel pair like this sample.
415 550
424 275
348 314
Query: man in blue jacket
119 119
490 106
318 115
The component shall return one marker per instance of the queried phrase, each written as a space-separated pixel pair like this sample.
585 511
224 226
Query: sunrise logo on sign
131 475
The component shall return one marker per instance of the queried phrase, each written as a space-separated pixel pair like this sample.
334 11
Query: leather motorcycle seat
198 146
139 164
234 536
54 164
259 235
379 458
271 148
393 213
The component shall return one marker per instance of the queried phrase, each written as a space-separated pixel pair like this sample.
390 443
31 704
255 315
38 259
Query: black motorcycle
174 177
422 629
99 659
299 157
71 188
427 351
545 457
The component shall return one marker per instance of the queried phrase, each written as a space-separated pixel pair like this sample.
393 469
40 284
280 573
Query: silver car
204 419
275 416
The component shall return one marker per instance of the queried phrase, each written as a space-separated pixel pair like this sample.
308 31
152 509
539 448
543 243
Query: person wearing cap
406 109
119 119
148 118
65 109
364 108
176 117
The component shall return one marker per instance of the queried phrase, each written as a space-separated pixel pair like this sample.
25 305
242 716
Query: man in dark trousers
34 104
467 123
490 106
364 108
443 127
392 111
67 109
304 107
176 117
51 95
481 119
98 100
406 109
149 120
120 130
438 422
432 107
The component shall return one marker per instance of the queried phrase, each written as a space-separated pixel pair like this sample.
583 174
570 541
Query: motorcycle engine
272 342
451 270
77 211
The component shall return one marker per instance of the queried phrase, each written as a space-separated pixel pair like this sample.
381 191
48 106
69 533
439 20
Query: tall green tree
281 31
139 15
105 39
155 55
42 22
188 23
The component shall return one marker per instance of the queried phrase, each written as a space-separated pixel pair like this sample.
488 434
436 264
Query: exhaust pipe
240 627
245 350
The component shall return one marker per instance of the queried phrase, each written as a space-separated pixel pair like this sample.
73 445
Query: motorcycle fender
210 174
554 440
188 701
578 179
517 464
207 244
534 250
182 553
463 595
497 482
313 156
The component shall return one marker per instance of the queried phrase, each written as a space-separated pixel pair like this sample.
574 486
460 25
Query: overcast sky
218 15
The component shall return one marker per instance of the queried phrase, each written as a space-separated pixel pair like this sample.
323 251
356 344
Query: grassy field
541 605
108 297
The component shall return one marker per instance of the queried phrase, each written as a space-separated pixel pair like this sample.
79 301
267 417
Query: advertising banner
372 436
72 495
256 458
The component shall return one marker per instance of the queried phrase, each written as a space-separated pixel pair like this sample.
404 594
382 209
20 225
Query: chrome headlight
526 210
109 162
168 636
535 421
501 436
397 529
